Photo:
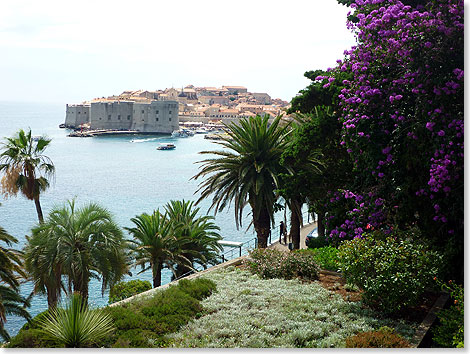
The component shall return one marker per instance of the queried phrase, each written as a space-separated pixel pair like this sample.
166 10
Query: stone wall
76 114
152 117
156 117
111 115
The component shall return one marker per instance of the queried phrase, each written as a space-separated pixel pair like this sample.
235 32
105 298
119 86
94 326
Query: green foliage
271 263
30 335
247 171
124 289
76 326
144 323
450 331
325 257
11 271
33 338
25 167
317 242
78 244
319 136
393 272
198 288
198 234
172 308
385 337
175 239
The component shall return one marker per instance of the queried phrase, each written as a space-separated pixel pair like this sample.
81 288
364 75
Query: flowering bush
403 121
393 272
351 214
271 263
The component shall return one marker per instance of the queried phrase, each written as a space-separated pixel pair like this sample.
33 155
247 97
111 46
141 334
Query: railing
244 248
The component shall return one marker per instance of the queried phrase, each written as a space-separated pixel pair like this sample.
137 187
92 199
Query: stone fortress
161 111
145 117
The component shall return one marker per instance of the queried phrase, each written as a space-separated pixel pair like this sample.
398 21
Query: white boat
188 132
166 146
182 133
179 134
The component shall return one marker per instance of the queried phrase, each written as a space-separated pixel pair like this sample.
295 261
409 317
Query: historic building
148 117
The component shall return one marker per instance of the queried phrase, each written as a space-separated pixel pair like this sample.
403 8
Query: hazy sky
71 51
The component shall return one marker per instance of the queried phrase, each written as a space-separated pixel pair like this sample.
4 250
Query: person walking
285 234
281 232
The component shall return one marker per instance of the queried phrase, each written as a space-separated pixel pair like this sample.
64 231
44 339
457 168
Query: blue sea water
126 174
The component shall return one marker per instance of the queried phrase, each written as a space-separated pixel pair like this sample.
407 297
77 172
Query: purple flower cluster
404 106
352 214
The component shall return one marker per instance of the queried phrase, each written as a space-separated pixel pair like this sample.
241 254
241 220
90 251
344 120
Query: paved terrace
303 234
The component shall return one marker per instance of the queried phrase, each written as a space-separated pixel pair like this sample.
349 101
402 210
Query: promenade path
303 234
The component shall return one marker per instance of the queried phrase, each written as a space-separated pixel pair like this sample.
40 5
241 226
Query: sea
125 174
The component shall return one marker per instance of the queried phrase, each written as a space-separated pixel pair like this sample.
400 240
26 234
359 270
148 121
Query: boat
182 133
179 134
166 146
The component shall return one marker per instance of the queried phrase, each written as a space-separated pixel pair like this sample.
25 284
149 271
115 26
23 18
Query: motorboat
166 146
179 134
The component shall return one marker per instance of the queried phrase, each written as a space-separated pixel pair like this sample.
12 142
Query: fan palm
156 246
11 270
26 168
201 232
76 325
246 172
40 260
79 244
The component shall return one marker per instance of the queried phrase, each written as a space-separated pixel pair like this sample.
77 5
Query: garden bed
249 312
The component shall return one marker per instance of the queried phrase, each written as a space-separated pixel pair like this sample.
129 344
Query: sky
72 51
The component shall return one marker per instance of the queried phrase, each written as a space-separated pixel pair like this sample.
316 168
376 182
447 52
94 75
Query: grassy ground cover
251 312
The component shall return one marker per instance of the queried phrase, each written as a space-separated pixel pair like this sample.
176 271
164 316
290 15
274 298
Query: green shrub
144 323
125 289
198 288
32 338
172 308
385 337
30 335
271 263
392 272
325 257
317 242
450 331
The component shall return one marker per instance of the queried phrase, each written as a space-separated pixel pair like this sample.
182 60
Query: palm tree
76 325
247 171
201 232
40 260
11 270
26 168
307 164
156 246
79 244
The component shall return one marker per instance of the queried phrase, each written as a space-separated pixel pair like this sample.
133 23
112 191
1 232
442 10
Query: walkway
303 234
